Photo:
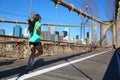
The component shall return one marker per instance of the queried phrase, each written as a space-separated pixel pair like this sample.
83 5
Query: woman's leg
31 58
40 51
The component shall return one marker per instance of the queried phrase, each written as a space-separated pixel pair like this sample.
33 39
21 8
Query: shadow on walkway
112 72
40 62
7 62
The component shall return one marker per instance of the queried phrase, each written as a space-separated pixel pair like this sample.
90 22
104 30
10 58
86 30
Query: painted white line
26 76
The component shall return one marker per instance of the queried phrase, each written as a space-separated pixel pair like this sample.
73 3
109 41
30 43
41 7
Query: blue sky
20 10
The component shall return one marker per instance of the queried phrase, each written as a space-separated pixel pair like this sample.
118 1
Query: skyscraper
77 37
46 35
57 33
65 33
51 29
26 33
87 34
17 31
54 37
2 32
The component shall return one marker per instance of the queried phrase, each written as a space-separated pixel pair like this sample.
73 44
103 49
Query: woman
35 39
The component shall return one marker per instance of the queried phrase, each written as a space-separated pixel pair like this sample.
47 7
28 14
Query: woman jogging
35 39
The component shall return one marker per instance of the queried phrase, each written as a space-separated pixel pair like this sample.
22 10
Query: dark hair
31 23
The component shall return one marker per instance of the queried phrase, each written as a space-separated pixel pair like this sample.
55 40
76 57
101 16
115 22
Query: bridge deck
86 67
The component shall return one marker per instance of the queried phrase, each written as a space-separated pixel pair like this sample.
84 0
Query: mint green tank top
35 35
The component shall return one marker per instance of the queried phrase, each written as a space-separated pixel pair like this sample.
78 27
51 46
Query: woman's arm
38 29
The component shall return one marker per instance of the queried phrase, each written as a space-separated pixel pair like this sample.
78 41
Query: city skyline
50 14
48 35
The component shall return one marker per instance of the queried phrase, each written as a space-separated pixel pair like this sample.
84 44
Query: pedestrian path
79 66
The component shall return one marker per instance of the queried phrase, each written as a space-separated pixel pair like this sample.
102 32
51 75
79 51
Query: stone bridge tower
103 29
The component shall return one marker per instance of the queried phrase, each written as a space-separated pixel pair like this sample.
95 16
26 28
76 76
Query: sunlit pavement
88 66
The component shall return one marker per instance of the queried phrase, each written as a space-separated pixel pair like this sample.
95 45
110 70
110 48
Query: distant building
54 37
17 31
61 38
66 39
2 32
46 35
87 34
26 33
51 29
77 37
57 33
64 33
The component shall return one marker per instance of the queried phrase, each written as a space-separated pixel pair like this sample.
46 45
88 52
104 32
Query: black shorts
35 43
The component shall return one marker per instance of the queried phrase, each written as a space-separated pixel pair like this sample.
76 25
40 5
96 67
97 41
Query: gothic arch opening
108 38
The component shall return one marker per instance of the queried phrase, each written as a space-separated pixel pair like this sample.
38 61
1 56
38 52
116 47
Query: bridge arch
109 39
103 31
